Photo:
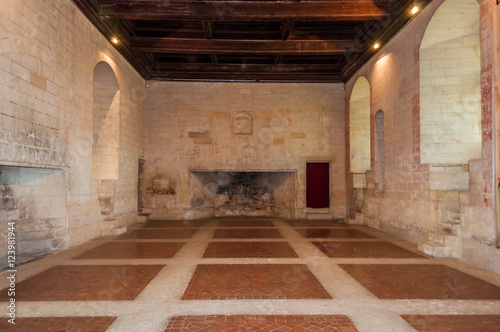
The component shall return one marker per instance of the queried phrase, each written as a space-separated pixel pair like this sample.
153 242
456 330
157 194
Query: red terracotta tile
85 283
247 233
83 324
254 281
175 223
414 281
245 223
454 323
116 250
315 223
297 323
157 234
335 233
249 249
364 250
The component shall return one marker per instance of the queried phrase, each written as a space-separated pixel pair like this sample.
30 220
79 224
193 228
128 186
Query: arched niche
379 151
359 126
450 91
106 124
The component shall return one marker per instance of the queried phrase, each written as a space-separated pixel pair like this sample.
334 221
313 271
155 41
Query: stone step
115 231
143 218
357 220
110 223
359 217
443 239
451 227
440 244
435 250
318 214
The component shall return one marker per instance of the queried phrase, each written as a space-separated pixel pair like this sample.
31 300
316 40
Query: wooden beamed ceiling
253 40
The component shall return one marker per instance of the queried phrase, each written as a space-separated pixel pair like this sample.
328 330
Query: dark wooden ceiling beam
225 68
260 11
208 28
112 28
355 59
242 47
286 29
306 78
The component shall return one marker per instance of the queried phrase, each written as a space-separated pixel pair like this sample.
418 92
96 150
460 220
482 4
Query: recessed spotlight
415 10
114 40
376 46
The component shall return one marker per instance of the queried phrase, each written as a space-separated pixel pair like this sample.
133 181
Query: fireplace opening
34 201
243 193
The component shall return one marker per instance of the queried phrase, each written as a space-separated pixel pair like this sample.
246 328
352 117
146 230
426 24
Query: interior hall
223 165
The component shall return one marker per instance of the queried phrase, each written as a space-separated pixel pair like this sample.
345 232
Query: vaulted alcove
106 134
450 92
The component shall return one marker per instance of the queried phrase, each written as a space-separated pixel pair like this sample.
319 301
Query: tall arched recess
106 124
359 126
379 150
450 92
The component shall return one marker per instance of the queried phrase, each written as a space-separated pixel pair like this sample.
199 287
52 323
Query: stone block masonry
48 52
439 182
242 127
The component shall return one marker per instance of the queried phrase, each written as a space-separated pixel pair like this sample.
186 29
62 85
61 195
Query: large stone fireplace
34 200
243 193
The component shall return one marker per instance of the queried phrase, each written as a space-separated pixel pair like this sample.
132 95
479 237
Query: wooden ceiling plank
162 67
286 29
208 28
224 46
260 11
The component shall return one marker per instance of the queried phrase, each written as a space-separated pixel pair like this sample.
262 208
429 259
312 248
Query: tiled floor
247 233
115 250
248 275
249 250
159 234
261 323
333 233
454 323
253 281
83 324
86 283
358 249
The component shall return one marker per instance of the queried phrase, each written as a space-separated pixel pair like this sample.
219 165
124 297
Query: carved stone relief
242 123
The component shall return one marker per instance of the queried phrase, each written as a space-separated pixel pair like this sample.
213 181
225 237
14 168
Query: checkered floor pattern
252 274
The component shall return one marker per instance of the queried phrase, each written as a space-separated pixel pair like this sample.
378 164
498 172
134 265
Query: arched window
450 92
379 151
106 124
359 126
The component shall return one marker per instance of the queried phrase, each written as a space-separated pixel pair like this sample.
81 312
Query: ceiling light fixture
114 40
376 46
415 10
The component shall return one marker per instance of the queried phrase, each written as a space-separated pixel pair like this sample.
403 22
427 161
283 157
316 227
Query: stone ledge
359 180
447 177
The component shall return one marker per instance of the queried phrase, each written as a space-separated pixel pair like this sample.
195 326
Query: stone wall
447 209
241 127
496 107
48 52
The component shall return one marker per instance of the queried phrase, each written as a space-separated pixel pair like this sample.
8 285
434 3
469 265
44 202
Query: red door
318 185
